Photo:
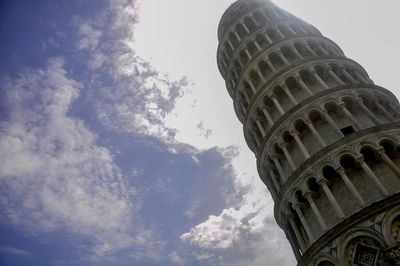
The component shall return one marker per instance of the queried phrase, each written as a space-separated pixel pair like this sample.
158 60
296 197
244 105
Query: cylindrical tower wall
325 137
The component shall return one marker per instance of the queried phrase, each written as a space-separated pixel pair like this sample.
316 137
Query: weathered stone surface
325 136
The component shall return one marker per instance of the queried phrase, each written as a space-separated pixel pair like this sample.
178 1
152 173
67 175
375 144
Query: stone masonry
325 136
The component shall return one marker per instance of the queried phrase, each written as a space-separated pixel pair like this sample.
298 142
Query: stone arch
324 260
357 239
391 227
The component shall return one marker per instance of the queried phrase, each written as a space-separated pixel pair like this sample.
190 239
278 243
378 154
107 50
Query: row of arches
372 242
311 131
287 94
278 57
340 188
240 56
253 21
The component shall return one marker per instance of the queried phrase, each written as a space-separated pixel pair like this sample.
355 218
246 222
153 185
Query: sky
118 140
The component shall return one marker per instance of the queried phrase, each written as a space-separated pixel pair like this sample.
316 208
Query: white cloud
246 231
54 176
15 251
175 258
89 37
132 96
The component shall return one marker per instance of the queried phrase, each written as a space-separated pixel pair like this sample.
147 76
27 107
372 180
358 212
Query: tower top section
236 10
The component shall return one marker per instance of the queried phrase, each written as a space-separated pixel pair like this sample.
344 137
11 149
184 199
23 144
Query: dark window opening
347 130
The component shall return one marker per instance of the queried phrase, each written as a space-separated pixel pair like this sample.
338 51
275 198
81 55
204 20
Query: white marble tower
325 136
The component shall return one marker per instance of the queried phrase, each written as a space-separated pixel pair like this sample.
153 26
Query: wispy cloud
15 251
54 176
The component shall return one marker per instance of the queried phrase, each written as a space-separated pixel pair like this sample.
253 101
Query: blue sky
119 145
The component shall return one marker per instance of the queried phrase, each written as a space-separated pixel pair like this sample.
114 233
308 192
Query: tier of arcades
319 127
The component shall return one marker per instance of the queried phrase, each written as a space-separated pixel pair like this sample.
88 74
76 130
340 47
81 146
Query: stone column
252 87
293 242
245 27
332 123
372 176
268 38
280 33
303 220
361 77
367 111
310 126
309 197
303 85
277 104
291 30
271 65
231 45
384 111
350 186
261 128
254 21
303 149
281 56
347 113
309 49
319 80
289 158
237 36
243 108
258 46
389 162
348 75
324 51
296 52
260 75
274 180
256 138
268 117
289 94
247 53
335 77
324 184
297 232
247 97
279 167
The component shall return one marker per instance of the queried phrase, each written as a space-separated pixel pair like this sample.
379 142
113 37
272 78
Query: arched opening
391 150
276 61
288 53
264 68
259 18
273 35
369 155
250 24
261 40
326 263
348 163
251 47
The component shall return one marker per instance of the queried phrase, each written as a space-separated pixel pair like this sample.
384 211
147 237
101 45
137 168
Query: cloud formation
132 96
54 176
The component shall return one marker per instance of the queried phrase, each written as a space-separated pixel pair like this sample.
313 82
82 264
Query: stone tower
325 137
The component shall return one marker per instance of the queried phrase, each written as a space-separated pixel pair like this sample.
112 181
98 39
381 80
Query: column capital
323 181
297 77
307 121
282 144
309 195
360 159
294 132
381 150
340 170
298 206
359 99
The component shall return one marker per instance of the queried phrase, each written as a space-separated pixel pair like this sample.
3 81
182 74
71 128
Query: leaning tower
326 138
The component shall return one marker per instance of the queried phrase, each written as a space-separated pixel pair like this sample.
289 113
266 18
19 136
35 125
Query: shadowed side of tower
325 136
